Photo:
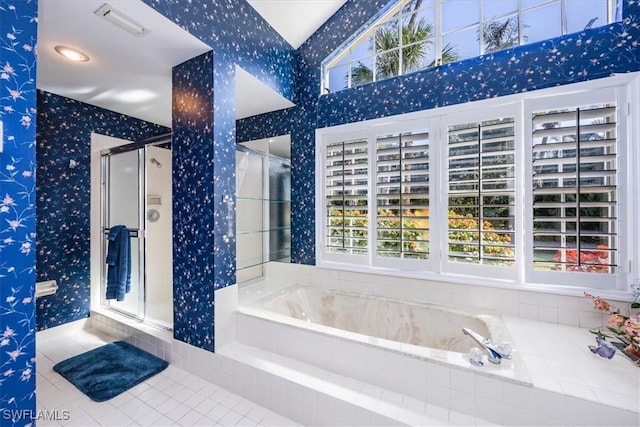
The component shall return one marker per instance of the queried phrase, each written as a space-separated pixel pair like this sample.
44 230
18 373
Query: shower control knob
153 215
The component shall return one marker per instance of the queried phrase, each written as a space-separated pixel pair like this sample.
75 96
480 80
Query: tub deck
556 357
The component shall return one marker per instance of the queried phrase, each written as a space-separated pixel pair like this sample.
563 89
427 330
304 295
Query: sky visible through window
501 25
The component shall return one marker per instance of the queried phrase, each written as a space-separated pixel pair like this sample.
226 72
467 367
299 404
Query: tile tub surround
425 332
560 366
300 392
568 310
454 391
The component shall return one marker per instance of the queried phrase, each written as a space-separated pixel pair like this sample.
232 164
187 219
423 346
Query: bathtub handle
493 354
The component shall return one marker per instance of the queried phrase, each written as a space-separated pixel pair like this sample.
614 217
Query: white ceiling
296 20
132 75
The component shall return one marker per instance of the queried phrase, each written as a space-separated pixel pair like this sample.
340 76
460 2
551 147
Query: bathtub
330 328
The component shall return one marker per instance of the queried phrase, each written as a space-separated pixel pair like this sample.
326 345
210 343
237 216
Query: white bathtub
419 331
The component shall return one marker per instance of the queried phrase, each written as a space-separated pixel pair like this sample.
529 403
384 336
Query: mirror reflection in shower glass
263 205
279 209
123 204
124 190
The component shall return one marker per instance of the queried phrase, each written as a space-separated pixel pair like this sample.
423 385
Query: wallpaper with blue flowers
63 210
204 192
193 201
204 220
18 34
591 54
301 120
236 28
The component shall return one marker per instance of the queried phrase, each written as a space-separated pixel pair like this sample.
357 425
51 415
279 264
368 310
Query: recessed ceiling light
72 54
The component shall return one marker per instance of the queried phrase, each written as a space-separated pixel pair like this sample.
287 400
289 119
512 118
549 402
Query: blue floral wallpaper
204 220
595 53
18 34
268 125
64 129
193 201
301 120
236 28
224 169
204 192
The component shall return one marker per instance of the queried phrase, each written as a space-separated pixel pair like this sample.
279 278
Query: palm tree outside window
413 35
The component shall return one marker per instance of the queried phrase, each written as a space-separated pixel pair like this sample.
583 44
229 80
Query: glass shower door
123 198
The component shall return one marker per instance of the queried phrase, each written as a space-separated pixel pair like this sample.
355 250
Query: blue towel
118 263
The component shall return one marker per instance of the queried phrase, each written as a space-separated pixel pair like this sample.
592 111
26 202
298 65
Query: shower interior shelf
271 226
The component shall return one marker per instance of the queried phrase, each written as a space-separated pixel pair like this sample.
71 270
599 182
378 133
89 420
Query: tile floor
171 398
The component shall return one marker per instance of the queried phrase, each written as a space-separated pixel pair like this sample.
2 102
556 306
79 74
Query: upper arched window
412 35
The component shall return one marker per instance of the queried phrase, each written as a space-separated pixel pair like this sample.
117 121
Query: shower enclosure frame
267 199
141 233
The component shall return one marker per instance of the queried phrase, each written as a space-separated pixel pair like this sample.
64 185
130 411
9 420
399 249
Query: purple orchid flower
603 349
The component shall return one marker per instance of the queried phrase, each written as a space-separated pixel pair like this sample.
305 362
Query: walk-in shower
136 193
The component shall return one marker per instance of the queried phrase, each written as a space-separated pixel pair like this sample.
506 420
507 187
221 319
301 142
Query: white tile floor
170 398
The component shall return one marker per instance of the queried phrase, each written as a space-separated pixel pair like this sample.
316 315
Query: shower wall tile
591 54
18 211
64 130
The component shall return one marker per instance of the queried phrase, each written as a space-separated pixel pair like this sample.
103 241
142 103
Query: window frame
602 95
623 88
509 109
321 199
373 134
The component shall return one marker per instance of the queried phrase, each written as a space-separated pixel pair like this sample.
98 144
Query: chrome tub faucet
494 354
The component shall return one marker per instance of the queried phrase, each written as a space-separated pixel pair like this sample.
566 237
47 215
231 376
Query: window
417 34
402 208
527 189
347 197
481 192
575 189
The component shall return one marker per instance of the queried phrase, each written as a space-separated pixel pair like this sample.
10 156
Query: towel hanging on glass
118 263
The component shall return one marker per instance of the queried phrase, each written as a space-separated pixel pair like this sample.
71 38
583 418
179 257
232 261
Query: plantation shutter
402 198
575 189
346 193
481 192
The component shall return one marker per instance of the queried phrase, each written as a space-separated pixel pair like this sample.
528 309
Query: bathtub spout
494 355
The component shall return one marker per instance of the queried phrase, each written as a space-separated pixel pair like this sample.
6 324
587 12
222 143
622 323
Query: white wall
159 256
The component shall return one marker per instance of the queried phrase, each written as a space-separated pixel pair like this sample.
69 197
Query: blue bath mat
107 371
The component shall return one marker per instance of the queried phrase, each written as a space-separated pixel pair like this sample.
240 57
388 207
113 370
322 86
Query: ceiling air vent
118 18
